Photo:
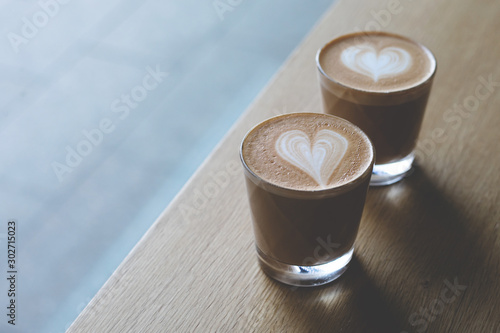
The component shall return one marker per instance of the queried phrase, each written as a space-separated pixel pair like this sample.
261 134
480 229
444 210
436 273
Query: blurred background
106 110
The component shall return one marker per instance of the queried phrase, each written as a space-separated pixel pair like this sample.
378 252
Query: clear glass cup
306 237
391 117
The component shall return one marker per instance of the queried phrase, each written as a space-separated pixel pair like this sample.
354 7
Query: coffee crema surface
307 151
376 62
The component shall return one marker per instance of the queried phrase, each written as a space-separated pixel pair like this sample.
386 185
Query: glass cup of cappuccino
307 175
379 82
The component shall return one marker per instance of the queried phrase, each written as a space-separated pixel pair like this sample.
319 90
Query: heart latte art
366 60
318 159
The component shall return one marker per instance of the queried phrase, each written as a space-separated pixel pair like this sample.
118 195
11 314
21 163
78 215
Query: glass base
304 276
390 173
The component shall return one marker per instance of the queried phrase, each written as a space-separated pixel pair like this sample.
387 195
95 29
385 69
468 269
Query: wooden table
427 256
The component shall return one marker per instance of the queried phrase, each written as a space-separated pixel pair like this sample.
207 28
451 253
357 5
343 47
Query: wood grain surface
427 256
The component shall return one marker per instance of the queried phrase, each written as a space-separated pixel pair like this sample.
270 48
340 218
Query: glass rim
316 193
424 82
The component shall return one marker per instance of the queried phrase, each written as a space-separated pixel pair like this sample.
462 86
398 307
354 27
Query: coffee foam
307 151
388 62
376 62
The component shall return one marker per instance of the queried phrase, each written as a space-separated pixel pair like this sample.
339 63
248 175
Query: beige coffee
307 151
307 176
381 83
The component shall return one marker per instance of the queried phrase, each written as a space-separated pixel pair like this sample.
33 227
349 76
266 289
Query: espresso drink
307 175
381 83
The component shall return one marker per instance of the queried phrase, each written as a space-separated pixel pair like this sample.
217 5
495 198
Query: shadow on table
432 240
421 223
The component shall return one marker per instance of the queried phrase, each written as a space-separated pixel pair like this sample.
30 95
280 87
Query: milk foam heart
318 159
365 59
